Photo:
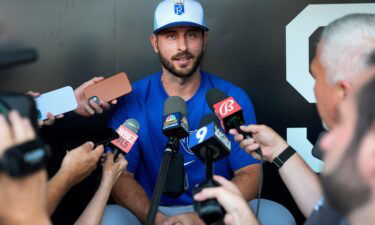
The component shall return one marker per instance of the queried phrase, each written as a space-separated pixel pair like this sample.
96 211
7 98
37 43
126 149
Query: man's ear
205 38
154 42
345 88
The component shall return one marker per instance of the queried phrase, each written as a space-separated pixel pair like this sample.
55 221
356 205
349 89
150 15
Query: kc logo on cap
179 7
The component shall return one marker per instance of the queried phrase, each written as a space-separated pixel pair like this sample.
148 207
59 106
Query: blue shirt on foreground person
145 104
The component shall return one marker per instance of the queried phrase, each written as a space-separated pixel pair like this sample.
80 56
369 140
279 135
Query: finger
104 105
33 94
95 106
251 148
229 219
60 116
17 127
98 151
6 136
29 130
208 193
88 108
92 82
246 142
88 146
114 102
238 137
224 182
119 157
110 157
97 79
233 132
251 128
50 119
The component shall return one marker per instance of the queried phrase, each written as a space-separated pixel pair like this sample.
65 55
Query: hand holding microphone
271 143
128 136
228 111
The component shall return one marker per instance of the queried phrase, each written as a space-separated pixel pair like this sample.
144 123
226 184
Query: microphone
128 135
171 177
228 111
210 137
210 144
15 57
175 126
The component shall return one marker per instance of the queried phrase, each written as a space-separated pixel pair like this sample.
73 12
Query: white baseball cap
172 13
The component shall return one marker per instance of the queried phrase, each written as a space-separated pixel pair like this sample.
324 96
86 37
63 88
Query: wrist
283 157
278 149
65 177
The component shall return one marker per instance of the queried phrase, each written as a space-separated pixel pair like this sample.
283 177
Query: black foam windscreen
209 118
214 96
175 104
16 57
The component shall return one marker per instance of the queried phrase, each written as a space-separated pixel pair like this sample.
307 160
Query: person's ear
154 42
205 38
345 88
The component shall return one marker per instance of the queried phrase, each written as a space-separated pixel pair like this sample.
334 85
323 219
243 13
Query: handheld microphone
210 137
228 111
175 125
128 135
209 143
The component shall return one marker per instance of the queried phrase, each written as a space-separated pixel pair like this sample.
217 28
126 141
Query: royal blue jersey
145 104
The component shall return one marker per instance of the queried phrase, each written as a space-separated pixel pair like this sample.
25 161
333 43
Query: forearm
58 185
93 213
128 193
302 183
247 180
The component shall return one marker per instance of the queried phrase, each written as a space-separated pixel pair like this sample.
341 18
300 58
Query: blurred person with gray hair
344 52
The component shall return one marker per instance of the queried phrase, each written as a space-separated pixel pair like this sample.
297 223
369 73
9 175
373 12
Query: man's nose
182 43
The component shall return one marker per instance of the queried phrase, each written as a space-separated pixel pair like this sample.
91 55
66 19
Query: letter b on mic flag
126 140
226 109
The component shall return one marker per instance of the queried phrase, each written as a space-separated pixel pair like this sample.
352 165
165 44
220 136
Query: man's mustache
184 54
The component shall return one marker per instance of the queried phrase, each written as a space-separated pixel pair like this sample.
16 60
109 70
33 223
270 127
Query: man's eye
171 36
191 35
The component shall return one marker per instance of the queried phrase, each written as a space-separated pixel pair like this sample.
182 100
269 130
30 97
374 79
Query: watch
283 157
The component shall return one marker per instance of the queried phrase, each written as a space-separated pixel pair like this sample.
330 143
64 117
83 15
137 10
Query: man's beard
182 74
344 187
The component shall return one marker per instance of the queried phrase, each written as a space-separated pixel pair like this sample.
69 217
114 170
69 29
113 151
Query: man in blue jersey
180 37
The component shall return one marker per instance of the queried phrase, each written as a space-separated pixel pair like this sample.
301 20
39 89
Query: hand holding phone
56 102
109 89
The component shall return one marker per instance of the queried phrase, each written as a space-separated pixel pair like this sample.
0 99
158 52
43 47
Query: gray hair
346 46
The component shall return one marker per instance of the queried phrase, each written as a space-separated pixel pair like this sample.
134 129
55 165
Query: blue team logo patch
179 8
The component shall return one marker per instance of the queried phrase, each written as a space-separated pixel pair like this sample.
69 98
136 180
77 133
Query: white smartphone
56 102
